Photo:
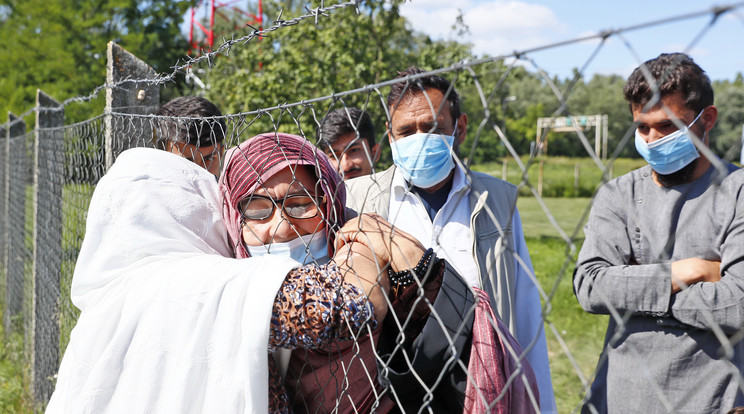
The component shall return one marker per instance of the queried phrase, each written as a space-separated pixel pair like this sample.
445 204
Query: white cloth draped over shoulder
167 323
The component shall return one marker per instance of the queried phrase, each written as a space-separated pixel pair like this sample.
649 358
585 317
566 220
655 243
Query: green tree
488 102
603 95
344 51
727 133
59 46
523 129
520 97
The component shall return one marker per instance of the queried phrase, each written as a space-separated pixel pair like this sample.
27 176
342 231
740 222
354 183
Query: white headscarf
167 324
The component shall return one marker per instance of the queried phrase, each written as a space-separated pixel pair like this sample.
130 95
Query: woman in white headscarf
167 323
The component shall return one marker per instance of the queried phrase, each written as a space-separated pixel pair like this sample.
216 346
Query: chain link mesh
44 214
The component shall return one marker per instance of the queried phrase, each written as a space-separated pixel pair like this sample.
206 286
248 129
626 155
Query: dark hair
339 123
198 132
401 90
672 73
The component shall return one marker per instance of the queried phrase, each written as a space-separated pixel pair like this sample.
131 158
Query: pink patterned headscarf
256 160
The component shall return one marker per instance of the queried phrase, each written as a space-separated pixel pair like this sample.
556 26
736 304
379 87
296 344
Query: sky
500 27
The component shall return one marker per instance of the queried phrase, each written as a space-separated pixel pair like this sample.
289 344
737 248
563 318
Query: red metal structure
212 8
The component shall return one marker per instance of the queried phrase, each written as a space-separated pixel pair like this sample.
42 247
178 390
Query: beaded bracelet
406 277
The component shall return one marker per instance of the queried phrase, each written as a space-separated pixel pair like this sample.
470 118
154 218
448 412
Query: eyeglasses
298 206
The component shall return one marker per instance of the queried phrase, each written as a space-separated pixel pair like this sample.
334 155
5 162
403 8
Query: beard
678 177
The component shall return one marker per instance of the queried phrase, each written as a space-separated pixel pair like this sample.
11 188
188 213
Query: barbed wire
715 13
224 48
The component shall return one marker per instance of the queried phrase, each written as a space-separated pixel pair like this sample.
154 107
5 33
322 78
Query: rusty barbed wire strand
224 48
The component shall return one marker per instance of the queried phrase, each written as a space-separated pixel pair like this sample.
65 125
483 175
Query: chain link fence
49 175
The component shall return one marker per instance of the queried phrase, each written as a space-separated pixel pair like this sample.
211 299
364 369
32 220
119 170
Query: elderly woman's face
280 226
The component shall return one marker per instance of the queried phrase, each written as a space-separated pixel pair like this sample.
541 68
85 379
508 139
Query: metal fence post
16 174
48 182
4 219
130 97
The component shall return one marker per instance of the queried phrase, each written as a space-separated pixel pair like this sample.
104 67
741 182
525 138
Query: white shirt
451 238
449 235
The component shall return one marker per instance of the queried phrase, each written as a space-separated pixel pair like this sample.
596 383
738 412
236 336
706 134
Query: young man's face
206 157
659 121
352 157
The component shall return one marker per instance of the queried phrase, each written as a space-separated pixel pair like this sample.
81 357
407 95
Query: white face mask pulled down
310 248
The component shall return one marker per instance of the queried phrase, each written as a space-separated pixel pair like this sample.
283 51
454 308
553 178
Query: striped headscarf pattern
256 160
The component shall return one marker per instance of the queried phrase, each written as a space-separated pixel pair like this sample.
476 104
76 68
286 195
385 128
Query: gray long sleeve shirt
665 352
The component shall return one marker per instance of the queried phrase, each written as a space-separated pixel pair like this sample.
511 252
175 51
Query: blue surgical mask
424 159
670 153
310 248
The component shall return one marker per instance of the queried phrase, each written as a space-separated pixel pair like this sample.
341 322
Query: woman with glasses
281 196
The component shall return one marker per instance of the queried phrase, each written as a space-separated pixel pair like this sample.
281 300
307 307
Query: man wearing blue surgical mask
669 149
468 218
663 254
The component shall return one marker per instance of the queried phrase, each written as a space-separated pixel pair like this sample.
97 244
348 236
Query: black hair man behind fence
663 256
347 136
192 127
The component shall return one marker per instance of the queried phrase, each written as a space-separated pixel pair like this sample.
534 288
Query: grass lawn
561 176
13 388
569 214
574 337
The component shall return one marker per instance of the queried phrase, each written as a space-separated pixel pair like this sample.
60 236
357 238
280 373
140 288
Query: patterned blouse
314 307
